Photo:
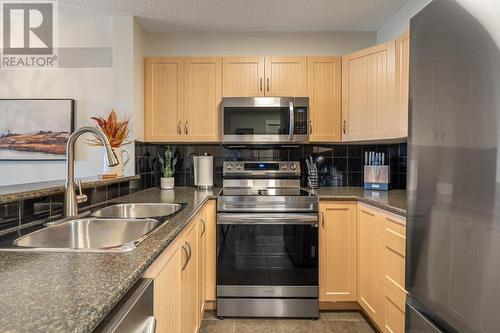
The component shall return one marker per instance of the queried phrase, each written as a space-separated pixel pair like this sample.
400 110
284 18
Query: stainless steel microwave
265 119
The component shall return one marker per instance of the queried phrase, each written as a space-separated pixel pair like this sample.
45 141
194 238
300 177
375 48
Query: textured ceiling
243 15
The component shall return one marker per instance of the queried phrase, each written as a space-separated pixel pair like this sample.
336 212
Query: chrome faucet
71 200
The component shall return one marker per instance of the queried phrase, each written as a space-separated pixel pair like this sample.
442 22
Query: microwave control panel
300 119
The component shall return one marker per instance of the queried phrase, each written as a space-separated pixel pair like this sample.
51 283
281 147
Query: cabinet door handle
179 130
344 127
267 84
187 253
310 127
204 227
323 219
186 128
261 84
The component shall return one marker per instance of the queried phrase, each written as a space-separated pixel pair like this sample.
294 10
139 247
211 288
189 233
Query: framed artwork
35 129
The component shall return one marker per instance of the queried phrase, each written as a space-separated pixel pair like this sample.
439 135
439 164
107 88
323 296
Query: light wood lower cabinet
370 262
337 252
181 286
210 250
189 282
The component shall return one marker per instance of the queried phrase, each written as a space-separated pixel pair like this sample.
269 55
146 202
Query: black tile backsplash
17 214
342 163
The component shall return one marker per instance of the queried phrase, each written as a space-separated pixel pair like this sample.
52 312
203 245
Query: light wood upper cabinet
368 89
202 91
402 82
337 251
286 76
210 249
370 245
163 98
243 76
325 89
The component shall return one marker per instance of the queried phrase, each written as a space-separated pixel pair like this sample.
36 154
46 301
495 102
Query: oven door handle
292 121
267 218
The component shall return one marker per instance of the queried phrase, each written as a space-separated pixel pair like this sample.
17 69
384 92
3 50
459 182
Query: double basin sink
117 228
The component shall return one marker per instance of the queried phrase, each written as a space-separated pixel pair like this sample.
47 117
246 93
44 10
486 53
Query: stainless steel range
267 242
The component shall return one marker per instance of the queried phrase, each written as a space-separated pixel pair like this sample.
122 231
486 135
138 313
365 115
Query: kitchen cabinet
265 76
189 280
394 272
370 245
202 97
337 251
163 98
325 98
181 98
368 89
286 76
210 250
402 83
243 76
177 273
166 272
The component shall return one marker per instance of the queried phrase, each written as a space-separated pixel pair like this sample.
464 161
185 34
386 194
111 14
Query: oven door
263 120
267 255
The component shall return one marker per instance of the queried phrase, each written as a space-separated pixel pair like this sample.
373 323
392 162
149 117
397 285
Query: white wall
96 90
400 21
255 43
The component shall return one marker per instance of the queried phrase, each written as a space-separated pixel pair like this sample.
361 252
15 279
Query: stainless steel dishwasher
134 313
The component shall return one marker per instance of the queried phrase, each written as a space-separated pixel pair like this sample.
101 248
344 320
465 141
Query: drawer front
394 312
395 255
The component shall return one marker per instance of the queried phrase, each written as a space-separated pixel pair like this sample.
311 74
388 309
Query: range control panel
288 168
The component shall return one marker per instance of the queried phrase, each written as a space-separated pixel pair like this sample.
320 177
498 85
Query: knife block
377 177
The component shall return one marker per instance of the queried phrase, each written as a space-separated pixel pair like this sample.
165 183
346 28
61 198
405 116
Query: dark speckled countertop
393 201
73 292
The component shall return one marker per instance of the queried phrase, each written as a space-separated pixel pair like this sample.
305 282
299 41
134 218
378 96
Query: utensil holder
312 179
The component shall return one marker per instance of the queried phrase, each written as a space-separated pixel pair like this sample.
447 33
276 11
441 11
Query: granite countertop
11 193
73 292
393 201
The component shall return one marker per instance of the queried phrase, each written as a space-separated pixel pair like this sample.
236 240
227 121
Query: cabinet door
394 313
163 98
202 91
368 93
202 231
370 262
337 252
286 76
242 76
190 294
324 85
210 249
402 83
166 272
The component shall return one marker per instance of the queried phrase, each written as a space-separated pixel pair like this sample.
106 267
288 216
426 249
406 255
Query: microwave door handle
292 122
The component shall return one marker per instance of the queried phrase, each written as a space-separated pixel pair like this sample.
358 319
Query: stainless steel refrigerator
453 229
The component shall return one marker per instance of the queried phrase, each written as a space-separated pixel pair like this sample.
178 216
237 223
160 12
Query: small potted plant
168 167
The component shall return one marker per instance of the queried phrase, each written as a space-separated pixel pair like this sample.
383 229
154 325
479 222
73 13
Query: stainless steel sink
89 235
139 210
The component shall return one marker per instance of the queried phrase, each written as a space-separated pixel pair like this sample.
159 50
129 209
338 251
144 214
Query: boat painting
35 129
